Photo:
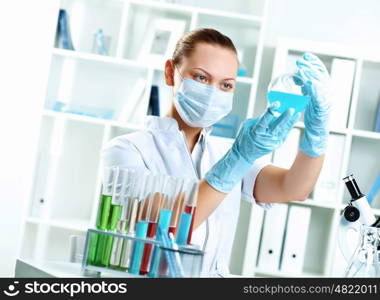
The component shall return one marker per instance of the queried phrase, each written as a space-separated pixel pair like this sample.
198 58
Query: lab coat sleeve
249 181
121 152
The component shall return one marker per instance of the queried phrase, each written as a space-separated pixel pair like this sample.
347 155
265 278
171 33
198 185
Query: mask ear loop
176 68
180 76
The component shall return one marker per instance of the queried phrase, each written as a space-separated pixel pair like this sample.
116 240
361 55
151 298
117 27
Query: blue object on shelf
100 45
242 72
63 36
95 112
226 127
374 190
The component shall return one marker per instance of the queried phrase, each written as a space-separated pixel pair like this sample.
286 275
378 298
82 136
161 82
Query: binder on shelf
342 77
295 240
154 101
272 238
132 104
285 155
327 186
63 35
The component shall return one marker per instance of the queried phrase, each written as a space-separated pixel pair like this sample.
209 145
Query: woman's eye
201 78
227 86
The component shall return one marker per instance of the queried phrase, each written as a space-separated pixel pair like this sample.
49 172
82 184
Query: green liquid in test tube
103 211
115 215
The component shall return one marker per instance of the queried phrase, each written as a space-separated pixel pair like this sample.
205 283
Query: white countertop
59 269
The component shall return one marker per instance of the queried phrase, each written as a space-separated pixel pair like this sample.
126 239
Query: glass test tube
104 208
185 228
136 194
177 208
121 193
144 211
157 201
105 242
171 190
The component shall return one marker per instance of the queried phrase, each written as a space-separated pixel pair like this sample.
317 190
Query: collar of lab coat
169 124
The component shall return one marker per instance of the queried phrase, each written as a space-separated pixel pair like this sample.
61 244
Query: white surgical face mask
201 105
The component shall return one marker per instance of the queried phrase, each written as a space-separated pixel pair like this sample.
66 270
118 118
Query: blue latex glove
257 137
316 117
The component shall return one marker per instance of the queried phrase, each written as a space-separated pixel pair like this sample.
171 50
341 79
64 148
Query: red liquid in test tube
172 229
190 210
152 227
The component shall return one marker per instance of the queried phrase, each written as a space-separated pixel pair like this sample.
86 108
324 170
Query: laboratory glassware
121 194
157 202
143 219
170 192
365 262
104 250
176 260
185 227
136 196
287 90
108 178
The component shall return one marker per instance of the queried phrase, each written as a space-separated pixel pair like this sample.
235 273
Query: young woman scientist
202 74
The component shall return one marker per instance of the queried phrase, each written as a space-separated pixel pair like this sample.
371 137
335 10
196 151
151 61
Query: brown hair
186 45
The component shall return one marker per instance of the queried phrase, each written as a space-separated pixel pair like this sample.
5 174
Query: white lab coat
161 148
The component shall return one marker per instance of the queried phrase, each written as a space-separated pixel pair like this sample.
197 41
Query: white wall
26 30
349 22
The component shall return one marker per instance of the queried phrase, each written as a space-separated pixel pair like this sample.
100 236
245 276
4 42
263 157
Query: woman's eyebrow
203 71
212 76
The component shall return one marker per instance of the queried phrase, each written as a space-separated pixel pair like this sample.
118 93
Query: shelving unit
360 153
67 169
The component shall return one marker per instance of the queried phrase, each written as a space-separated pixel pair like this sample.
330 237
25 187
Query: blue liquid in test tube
141 230
183 229
163 223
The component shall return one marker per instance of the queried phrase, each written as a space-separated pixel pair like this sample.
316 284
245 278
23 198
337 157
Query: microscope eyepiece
353 187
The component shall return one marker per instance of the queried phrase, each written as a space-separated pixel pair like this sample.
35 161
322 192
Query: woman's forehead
216 60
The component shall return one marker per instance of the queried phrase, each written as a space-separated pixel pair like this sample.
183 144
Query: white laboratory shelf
317 203
366 134
192 9
123 62
242 79
70 224
301 125
91 120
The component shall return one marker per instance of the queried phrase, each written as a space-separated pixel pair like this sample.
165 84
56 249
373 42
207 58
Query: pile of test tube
135 203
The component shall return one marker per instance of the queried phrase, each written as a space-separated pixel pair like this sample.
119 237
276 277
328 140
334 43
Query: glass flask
287 89
365 262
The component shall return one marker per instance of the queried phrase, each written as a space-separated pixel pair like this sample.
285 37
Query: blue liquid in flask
288 100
